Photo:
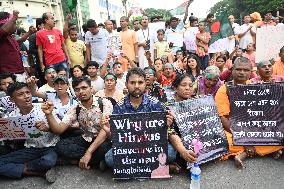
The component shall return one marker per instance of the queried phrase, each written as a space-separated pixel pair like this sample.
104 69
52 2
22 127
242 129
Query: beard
136 93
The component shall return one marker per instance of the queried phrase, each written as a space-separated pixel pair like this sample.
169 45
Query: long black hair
188 69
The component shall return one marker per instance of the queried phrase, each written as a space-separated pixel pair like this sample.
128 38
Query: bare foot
239 160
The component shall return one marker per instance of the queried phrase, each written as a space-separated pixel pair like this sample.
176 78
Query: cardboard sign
156 26
198 119
140 145
257 116
14 128
190 38
175 38
269 41
6 103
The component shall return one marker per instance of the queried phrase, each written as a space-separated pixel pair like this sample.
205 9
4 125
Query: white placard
269 41
175 38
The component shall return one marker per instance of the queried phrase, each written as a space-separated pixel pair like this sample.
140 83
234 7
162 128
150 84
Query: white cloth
97 84
143 36
247 38
47 139
98 44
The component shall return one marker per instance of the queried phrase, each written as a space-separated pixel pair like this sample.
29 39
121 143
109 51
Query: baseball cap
62 78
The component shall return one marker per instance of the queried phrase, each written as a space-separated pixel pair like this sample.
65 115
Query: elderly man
241 72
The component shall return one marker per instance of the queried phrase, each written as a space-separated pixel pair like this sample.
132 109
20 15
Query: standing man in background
96 43
129 40
51 46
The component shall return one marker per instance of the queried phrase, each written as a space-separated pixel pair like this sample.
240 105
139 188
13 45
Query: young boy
160 47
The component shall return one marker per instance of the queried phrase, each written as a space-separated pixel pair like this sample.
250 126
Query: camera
147 45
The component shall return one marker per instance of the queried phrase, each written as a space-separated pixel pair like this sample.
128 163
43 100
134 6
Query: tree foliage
242 7
151 12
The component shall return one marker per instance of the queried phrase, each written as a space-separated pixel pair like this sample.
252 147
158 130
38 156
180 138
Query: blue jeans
171 156
36 159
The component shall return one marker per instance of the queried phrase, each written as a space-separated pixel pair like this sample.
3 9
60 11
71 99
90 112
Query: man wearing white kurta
145 34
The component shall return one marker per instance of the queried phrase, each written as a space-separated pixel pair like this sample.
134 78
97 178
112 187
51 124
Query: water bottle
195 177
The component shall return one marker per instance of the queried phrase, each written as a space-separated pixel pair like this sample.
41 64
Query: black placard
140 145
198 119
257 114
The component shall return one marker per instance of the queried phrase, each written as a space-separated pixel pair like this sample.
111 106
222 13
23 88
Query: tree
242 7
151 12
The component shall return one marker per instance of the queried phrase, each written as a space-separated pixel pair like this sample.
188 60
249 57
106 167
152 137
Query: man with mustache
90 147
242 69
138 101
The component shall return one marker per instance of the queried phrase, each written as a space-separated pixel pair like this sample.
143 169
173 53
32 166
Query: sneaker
51 175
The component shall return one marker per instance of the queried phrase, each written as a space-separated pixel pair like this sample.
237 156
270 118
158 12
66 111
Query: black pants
75 148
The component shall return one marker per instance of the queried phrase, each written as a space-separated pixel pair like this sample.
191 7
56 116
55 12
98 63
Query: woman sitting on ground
209 82
183 91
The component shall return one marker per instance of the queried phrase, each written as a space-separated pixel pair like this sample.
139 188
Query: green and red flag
220 31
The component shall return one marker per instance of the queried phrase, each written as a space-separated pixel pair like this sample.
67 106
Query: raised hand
16 13
47 107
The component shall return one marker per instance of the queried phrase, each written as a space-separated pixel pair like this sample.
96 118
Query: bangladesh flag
220 31
71 4
180 10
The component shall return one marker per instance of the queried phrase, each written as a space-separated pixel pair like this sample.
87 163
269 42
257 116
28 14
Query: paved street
260 173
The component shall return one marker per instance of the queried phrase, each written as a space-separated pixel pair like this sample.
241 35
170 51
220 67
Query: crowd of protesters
74 81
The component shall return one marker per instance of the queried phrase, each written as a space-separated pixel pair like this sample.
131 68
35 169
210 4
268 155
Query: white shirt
143 36
120 83
98 44
97 84
46 88
236 28
247 38
47 139
60 109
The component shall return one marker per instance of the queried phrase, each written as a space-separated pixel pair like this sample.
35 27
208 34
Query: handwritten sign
198 119
23 127
140 145
257 114
175 38
190 38
269 41
6 103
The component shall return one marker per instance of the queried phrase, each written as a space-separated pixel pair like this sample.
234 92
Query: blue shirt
149 104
